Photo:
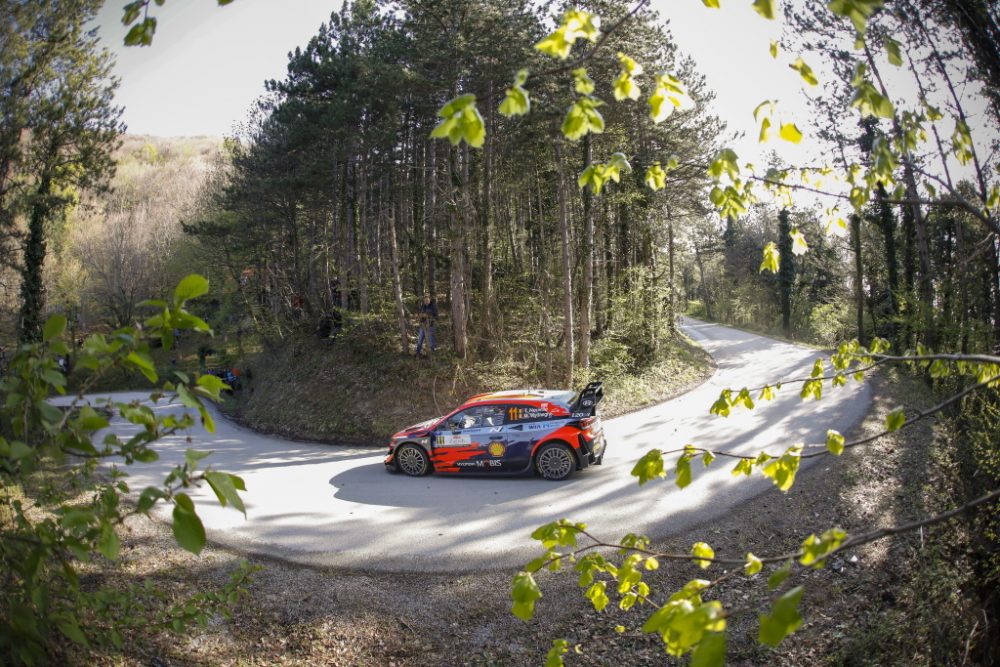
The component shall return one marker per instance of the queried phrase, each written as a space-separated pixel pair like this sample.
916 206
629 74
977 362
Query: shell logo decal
497 449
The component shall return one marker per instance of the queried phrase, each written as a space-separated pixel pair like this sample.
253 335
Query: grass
356 390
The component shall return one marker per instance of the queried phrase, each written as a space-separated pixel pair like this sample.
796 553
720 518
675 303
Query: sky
208 64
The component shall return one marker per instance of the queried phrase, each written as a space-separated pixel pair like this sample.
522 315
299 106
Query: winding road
336 506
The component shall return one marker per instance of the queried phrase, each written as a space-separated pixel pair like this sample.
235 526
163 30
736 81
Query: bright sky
208 63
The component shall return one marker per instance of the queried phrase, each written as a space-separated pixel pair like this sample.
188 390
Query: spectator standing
428 317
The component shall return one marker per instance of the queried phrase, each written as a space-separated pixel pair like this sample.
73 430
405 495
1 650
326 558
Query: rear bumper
591 452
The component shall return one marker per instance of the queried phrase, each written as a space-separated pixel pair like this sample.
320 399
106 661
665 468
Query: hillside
353 390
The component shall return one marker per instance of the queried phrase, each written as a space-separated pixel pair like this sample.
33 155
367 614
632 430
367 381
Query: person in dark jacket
428 317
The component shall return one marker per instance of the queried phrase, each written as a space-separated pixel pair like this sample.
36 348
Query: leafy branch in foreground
63 496
686 620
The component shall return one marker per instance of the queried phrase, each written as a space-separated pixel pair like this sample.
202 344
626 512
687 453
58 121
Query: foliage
64 495
59 129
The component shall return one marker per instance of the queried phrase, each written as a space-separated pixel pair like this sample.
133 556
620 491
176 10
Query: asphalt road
337 506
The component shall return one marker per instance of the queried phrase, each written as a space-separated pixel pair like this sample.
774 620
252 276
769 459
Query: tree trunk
431 215
859 291
786 272
671 296
458 236
397 285
588 264
32 283
567 262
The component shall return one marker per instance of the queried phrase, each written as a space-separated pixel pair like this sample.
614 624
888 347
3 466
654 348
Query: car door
524 425
470 441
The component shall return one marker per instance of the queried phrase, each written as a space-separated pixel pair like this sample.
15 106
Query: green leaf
193 456
683 471
225 489
725 162
712 4
779 576
553 658
597 595
649 467
108 543
582 82
772 258
790 132
816 549
753 565
783 620
461 121
188 529
858 11
212 385
895 420
765 8
54 327
144 364
583 117
805 71
669 94
72 631
766 393
524 592
834 442
141 34
148 498
560 533
812 388
893 52
745 467
656 177
773 49
576 24
702 554
90 420
190 287
516 103
782 470
711 651
722 405
765 131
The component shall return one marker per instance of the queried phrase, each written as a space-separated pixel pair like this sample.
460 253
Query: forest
561 225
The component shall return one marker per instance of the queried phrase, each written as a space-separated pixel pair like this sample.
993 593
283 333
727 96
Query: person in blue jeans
428 316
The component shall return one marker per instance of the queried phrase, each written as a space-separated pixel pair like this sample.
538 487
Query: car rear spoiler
587 400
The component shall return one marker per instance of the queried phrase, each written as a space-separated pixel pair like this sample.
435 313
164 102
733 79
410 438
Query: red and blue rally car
514 432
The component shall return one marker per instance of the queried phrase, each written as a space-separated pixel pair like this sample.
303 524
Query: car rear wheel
412 460
555 461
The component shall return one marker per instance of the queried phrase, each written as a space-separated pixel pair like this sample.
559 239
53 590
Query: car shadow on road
367 484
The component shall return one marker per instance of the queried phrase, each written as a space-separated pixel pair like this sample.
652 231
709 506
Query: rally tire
555 461
412 460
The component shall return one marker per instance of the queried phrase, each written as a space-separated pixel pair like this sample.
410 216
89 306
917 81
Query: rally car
551 433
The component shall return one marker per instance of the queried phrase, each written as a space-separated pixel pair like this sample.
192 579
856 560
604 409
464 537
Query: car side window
479 416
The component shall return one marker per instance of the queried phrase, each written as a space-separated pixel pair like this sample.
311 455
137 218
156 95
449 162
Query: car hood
418 429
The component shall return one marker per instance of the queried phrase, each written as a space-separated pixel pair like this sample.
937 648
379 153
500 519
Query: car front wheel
555 461
412 461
